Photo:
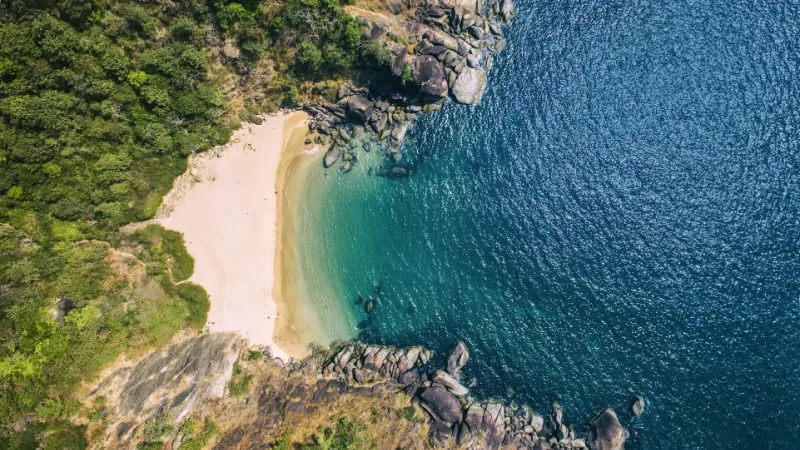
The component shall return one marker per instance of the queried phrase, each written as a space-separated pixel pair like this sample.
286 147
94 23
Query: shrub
197 304
407 413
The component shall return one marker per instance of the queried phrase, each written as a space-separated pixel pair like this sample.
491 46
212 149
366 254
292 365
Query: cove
619 216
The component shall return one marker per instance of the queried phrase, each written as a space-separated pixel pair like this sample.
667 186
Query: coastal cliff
369 396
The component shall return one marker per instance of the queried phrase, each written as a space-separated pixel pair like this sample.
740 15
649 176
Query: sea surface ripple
620 216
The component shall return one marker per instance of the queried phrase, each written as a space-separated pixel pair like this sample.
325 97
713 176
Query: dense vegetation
100 105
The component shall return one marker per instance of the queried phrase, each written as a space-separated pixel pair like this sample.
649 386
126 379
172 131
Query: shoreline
226 206
297 326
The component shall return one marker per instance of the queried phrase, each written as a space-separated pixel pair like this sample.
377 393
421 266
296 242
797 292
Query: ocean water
620 216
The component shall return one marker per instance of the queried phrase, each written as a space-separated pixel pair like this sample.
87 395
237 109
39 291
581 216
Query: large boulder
441 404
429 76
331 156
605 432
469 86
359 108
457 359
507 10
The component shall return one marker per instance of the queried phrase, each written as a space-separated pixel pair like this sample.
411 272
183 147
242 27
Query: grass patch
240 382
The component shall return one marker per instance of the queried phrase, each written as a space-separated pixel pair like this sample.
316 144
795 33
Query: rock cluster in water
455 415
452 42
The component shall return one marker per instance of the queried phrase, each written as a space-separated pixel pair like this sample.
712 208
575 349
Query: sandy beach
226 207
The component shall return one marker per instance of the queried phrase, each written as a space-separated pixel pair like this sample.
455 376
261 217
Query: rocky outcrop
169 382
605 432
453 414
188 378
449 49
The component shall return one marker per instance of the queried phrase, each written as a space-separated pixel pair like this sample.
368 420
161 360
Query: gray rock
475 32
399 59
557 414
396 6
473 60
399 132
441 404
343 92
637 407
537 422
605 432
359 108
439 38
457 359
469 86
507 10
379 122
331 156
429 76
344 134
473 6
452 385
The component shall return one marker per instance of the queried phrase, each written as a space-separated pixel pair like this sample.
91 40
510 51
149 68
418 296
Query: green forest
101 103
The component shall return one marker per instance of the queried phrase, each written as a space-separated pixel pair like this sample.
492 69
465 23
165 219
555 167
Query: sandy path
225 206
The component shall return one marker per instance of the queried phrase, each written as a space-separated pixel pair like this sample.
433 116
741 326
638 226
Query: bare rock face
469 86
457 359
429 76
170 381
605 432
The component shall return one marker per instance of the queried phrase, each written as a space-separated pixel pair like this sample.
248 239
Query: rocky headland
438 49
406 399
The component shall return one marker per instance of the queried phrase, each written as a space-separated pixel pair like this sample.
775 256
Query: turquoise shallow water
620 216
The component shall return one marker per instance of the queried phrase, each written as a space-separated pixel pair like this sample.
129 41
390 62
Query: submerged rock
637 407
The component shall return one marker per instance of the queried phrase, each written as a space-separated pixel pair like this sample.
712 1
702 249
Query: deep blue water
620 216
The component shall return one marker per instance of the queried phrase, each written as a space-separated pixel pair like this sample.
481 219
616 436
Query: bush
407 413
197 303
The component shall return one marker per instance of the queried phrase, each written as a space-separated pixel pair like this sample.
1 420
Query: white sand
225 206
